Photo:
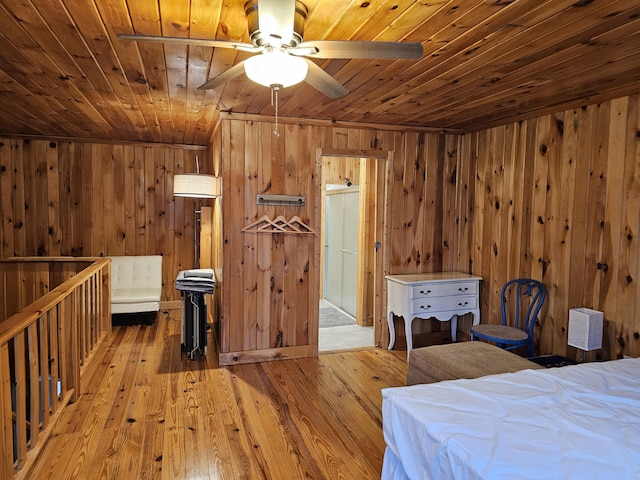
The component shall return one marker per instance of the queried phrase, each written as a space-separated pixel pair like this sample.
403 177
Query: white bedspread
578 422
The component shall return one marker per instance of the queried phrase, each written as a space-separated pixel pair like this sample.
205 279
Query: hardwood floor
146 411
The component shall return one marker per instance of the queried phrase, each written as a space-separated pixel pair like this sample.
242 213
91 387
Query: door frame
383 234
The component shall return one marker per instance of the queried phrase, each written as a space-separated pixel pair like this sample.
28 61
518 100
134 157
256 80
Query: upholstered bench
462 360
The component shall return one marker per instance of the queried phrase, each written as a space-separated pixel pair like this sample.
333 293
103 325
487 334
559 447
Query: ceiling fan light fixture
276 67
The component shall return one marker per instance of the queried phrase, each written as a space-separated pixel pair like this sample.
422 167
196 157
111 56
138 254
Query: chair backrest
522 298
136 271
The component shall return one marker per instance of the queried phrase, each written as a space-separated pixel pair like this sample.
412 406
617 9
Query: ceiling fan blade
356 49
199 42
275 20
322 81
225 76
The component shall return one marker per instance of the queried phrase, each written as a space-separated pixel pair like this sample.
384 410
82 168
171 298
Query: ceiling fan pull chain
274 91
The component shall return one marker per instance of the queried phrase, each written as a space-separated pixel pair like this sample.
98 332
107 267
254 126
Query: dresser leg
408 334
454 328
392 330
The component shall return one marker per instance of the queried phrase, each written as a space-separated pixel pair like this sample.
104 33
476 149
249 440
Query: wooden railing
43 350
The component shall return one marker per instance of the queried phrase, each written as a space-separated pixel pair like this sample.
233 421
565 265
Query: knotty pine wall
271 282
211 249
91 199
554 198
22 283
557 198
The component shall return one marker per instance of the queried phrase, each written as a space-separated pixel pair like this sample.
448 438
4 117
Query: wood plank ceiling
63 71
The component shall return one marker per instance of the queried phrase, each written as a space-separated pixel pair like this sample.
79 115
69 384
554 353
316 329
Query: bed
575 422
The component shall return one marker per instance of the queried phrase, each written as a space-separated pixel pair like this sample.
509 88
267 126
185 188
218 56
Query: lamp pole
197 212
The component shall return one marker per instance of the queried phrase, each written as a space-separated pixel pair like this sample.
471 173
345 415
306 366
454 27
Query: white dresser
440 295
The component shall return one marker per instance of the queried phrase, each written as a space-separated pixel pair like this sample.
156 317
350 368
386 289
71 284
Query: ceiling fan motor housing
251 11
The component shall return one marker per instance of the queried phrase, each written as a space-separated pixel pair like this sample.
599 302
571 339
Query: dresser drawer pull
425 293
465 289
462 304
425 308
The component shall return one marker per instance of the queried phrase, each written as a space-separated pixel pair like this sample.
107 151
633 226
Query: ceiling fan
283 58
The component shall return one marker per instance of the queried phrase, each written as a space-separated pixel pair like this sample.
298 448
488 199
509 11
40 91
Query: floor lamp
198 186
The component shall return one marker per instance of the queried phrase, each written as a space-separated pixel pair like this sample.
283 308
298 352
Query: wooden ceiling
63 71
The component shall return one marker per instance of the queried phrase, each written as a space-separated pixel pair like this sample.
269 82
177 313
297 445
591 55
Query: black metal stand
194 324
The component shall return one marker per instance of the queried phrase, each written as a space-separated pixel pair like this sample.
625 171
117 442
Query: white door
341 250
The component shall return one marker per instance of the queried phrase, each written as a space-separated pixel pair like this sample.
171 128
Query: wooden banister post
69 347
6 422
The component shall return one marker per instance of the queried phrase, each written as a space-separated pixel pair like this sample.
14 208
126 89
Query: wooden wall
554 198
557 198
268 279
211 237
271 282
91 199
21 283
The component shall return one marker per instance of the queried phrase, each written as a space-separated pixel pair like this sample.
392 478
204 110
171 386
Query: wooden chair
525 298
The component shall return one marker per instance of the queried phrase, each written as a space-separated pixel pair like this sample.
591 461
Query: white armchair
136 283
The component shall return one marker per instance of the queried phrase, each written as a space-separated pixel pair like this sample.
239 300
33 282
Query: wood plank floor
146 411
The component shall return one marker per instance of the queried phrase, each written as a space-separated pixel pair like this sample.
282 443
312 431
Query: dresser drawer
442 304
443 289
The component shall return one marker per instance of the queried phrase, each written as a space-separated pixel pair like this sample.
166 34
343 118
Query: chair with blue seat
522 300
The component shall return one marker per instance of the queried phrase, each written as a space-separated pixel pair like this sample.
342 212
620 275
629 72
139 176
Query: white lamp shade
196 185
276 67
585 328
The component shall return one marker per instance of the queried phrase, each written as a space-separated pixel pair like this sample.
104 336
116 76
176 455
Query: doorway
348 254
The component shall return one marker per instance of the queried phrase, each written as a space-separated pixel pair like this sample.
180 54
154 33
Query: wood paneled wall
554 198
211 249
91 199
268 278
23 282
557 198
271 282
336 170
